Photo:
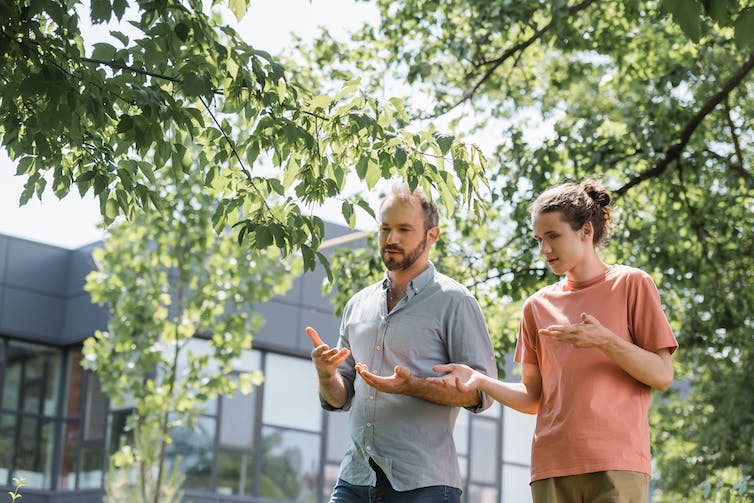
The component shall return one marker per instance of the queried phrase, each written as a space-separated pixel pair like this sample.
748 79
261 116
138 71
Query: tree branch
674 151
495 63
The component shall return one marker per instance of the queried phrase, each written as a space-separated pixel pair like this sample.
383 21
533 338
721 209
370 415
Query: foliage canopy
654 98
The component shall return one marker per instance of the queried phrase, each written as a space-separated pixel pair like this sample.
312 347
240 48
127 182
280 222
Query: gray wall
42 299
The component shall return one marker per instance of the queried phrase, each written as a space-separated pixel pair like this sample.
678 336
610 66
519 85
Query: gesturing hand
399 382
459 376
326 360
589 333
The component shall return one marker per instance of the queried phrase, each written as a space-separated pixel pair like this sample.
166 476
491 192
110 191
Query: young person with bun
591 347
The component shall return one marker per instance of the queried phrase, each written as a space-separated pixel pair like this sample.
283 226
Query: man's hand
399 382
326 360
587 334
459 376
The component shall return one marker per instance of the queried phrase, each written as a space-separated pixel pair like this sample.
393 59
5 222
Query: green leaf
445 141
182 30
122 38
119 8
326 264
366 207
103 52
125 124
373 174
400 157
196 85
101 11
687 14
744 29
238 8
309 258
322 101
347 210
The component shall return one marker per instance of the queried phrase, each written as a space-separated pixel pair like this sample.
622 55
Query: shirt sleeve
469 343
526 345
648 325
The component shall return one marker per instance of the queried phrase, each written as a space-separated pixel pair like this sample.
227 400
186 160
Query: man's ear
433 234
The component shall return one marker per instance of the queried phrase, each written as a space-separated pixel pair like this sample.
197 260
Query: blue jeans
383 492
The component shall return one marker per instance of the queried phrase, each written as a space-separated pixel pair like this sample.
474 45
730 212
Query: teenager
591 347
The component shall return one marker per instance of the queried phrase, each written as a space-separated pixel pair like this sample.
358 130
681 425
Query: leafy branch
673 152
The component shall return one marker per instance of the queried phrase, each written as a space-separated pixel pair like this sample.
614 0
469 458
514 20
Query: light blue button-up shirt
411 439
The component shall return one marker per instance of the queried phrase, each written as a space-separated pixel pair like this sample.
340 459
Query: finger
340 356
445 367
314 336
401 372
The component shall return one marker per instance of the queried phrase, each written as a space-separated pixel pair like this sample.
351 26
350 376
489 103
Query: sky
73 222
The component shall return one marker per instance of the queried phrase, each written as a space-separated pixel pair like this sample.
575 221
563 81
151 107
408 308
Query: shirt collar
417 284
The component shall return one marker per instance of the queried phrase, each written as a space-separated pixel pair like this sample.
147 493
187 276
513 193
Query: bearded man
392 333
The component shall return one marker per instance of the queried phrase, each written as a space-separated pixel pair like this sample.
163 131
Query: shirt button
369 447
379 348
369 425
371 397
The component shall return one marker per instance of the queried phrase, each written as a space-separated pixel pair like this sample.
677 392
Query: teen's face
403 239
562 247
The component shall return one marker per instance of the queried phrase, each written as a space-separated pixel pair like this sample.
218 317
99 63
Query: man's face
403 239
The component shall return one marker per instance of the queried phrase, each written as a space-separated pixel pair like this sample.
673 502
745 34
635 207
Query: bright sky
73 222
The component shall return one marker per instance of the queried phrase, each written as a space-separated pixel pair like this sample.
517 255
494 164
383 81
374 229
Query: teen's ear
587 230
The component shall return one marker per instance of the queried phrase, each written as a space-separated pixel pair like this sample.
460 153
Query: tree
167 277
652 97
79 118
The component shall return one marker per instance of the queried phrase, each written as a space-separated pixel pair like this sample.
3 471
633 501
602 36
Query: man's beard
409 258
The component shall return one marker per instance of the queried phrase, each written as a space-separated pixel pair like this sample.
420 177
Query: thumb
588 318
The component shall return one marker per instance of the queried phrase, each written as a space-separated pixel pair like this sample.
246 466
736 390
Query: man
401 445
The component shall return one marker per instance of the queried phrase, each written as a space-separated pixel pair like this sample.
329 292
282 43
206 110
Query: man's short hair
402 192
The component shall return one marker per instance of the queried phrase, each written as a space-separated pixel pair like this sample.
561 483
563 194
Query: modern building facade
57 428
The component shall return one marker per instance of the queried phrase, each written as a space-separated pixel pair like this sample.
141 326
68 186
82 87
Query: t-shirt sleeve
648 325
526 345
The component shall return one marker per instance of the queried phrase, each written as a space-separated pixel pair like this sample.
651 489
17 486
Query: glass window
481 494
237 413
195 449
331 478
34 452
11 385
484 456
7 446
290 465
67 478
92 463
337 435
235 472
518 431
95 416
118 433
461 432
515 484
32 374
75 384
290 394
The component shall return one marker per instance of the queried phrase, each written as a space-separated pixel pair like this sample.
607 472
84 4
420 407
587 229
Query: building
57 427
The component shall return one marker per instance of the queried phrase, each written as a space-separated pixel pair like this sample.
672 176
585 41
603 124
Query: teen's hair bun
597 192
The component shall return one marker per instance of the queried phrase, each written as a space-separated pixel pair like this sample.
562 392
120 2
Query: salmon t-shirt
593 416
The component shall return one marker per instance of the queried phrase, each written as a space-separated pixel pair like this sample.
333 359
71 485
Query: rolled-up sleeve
469 343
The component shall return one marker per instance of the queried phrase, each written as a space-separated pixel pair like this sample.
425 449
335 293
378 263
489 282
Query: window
30 380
